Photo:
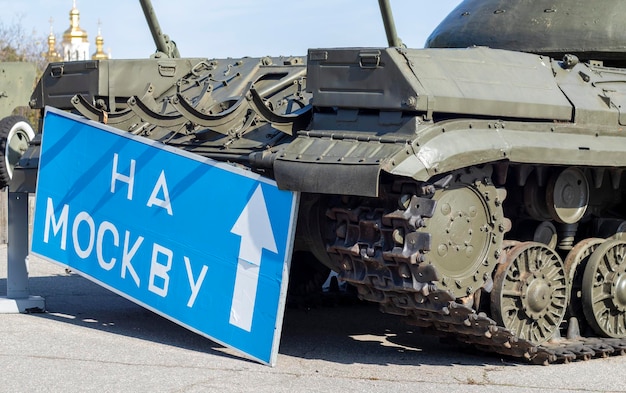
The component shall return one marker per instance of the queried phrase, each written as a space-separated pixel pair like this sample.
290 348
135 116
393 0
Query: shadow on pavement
360 333
353 333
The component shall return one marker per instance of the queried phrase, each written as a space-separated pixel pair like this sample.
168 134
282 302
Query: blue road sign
202 243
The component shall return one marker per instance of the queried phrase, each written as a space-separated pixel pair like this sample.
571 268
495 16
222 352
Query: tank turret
589 30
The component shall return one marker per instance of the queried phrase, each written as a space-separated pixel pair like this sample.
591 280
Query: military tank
476 191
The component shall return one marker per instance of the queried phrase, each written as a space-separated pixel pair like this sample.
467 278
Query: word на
104 238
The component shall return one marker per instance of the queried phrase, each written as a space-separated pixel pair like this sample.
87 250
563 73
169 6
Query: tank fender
460 148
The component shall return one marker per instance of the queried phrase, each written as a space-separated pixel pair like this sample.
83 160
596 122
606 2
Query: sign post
202 243
18 298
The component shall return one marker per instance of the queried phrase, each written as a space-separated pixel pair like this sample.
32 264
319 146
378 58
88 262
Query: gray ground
93 340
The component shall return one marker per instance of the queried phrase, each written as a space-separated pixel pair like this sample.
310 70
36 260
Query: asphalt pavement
92 340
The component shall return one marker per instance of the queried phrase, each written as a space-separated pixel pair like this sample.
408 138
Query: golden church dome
100 54
75 33
52 55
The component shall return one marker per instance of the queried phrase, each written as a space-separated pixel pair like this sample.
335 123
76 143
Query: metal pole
17 250
18 299
390 27
163 43
153 24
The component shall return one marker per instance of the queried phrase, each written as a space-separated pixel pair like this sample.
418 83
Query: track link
400 279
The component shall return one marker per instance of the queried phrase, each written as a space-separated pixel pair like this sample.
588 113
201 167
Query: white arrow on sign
255 229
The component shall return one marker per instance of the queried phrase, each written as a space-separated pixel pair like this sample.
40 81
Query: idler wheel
530 292
604 289
568 196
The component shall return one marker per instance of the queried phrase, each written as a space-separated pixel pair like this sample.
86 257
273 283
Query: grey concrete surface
91 340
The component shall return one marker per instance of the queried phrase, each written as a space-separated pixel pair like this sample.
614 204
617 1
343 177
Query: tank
477 192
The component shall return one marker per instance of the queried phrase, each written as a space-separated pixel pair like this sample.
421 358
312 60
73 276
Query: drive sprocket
467 230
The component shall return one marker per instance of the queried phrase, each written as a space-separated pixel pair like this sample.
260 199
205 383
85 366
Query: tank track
371 251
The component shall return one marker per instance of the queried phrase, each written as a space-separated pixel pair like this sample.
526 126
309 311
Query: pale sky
232 28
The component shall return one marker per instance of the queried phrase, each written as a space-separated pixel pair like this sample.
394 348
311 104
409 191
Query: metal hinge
369 59
167 68
56 71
